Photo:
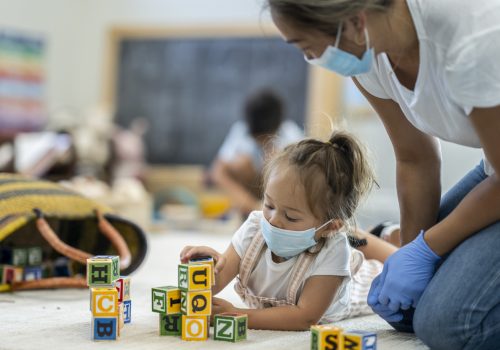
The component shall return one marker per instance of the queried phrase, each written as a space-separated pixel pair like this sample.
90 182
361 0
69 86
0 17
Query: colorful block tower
110 302
185 310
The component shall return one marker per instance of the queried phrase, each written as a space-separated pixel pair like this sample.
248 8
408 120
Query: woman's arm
480 207
226 265
318 294
418 163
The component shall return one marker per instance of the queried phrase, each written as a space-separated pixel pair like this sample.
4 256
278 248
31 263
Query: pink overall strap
251 258
298 274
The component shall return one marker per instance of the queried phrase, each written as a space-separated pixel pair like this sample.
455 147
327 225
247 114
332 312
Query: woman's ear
355 29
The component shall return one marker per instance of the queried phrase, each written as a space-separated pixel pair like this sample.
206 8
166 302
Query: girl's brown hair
346 175
323 15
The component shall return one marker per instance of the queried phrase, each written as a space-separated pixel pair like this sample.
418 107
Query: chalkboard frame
324 95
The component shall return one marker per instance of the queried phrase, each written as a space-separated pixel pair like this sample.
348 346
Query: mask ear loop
325 224
339 33
367 37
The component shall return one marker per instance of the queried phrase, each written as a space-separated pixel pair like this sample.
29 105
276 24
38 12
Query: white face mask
288 243
342 62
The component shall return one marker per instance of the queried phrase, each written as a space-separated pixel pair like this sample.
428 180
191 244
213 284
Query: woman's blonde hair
323 15
345 174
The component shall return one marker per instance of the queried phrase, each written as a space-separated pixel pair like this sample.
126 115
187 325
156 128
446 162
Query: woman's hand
190 252
403 280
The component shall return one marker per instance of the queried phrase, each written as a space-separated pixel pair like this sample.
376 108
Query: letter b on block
104 328
360 340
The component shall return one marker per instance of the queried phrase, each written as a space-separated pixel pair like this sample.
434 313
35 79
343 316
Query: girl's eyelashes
290 219
268 206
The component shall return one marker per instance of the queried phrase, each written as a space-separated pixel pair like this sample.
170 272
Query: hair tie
334 145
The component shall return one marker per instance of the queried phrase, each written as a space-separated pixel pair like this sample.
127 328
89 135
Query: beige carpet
59 319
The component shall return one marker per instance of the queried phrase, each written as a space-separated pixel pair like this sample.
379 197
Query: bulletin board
191 85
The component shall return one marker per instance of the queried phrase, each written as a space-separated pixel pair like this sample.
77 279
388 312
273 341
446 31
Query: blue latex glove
382 310
404 278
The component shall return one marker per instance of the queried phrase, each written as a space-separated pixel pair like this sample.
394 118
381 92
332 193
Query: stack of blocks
110 302
330 337
185 310
19 264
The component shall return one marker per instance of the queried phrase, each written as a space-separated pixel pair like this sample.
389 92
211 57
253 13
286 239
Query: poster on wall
22 82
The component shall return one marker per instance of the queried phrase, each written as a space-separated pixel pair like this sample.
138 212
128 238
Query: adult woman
431 70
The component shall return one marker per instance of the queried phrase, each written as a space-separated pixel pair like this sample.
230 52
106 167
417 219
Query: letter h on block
230 327
195 276
326 337
360 340
102 270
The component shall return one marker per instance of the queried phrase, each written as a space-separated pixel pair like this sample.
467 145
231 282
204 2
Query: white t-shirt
239 142
459 68
270 279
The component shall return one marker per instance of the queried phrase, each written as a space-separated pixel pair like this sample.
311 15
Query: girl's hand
190 252
220 305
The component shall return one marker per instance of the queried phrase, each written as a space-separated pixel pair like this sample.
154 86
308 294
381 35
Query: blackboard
193 89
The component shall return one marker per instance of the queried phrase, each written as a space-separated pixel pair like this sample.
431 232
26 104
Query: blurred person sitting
237 168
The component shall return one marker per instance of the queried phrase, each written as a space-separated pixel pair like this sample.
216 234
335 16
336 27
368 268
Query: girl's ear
334 226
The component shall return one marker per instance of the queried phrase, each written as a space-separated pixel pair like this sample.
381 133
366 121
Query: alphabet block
121 317
104 328
35 256
194 327
195 276
326 337
32 273
171 324
104 302
197 303
122 284
14 256
205 260
166 300
127 311
62 267
360 340
8 274
102 270
230 327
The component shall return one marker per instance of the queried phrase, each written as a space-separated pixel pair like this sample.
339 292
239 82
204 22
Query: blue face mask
342 62
287 243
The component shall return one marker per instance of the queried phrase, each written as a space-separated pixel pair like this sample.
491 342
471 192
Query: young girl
293 260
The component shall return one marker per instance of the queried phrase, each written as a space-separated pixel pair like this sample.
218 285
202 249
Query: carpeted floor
60 319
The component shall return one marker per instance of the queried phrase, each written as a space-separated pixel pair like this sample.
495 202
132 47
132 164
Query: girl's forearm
280 318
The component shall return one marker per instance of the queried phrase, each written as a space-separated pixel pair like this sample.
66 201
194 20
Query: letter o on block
194 327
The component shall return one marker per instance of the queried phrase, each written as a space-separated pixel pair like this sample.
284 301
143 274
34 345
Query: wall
76 31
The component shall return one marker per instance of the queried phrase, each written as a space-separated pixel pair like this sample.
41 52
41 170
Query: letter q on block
104 302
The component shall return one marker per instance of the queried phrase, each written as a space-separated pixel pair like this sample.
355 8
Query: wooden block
122 284
171 324
35 256
18 274
166 300
32 273
326 337
127 311
194 328
62 267
8 274
103 270
104 328
121 317
195 276
206 260
104 302
14 256
197 303
230 327
360 340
